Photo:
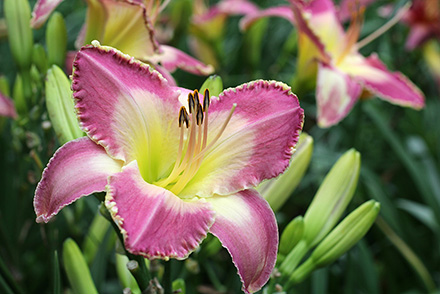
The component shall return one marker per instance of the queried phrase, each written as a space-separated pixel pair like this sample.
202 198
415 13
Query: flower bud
125 277
60 107
291 235
56 40
346 234
339 241
277 191
18 95
332 197
76 269
39 58
18 16
4 86
97 231
214 84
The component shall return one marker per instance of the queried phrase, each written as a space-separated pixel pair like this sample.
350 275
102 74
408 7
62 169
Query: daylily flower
175 164
343 74
129 26
208 26
7 107
423 18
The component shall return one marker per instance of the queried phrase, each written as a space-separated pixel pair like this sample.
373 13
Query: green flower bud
332 197
346 234
39 58
56 40
179 286
94 237
340 240
4 86
277 191
18 16
291 235
76 269
60 107
214 84
19 97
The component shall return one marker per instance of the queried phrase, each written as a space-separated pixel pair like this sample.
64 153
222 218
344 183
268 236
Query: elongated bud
332 197
346 234
291 235
18 16
18 96
4 86
215 85
56 40
60 107
95 237
340 240
76 269
39 58
277 191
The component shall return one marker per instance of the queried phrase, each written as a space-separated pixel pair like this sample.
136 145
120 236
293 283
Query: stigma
193 141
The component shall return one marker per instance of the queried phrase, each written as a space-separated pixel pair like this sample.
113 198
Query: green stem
408 254
139 272
166 280
294 258
302 272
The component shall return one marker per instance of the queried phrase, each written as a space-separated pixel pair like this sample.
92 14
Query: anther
199 116
206 100
191 103
183 117
196 99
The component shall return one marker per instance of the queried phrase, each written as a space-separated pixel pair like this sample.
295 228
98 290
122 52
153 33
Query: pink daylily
7 107
172 176
129 26
423 18
332 54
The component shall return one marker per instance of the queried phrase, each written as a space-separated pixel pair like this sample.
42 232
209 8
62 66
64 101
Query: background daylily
325 50
7 107
128 26
423 18
175 164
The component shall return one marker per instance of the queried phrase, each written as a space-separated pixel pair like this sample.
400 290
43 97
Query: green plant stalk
408 254
141 275
166 279
302 272
8 279
56 274
294 258
4 286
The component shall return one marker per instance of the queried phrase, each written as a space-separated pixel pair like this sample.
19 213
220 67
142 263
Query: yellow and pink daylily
175 164
7 107
331 54
129 26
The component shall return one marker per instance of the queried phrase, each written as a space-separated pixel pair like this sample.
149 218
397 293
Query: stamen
395 19
191 103
183 117
206 100
199 115
353 32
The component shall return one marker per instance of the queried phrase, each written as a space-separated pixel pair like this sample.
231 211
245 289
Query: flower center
193 148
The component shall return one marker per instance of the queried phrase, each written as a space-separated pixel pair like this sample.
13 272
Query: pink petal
121 102
279 11
172 58
319 21
390 86
129 29
77 169
417 35
41 12
156 223
336 93
257 142
224 8
7 107
247 228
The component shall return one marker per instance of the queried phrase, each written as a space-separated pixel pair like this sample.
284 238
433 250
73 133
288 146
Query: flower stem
166 280
294 258
139 271
408 254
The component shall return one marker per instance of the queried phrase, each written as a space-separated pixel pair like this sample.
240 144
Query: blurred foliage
400 151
